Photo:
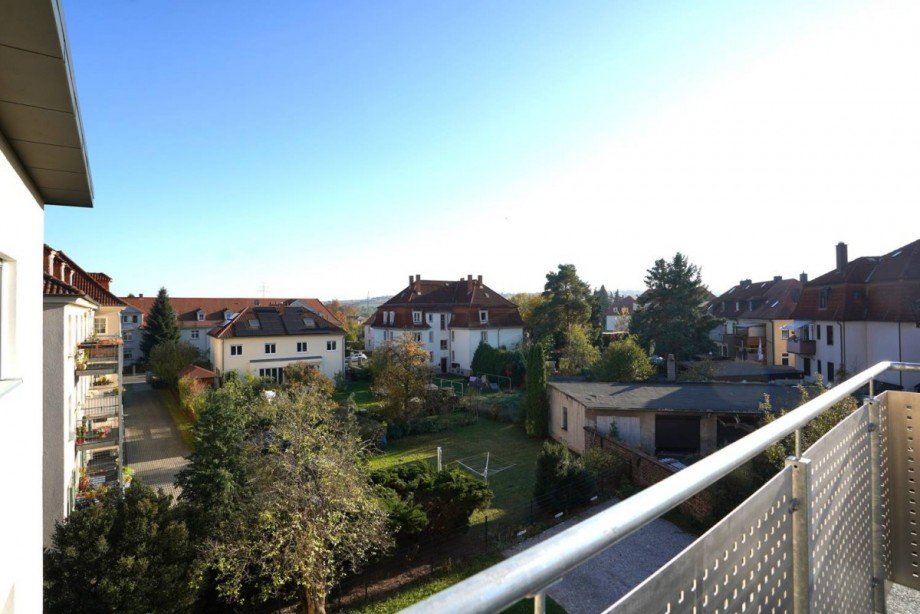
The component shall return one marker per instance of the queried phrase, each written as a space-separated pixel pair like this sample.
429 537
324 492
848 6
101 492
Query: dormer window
416 317
200 315
824 298
253 324
309 322
483 316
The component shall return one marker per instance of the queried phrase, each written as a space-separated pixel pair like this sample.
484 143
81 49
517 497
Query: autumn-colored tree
302 375
401 375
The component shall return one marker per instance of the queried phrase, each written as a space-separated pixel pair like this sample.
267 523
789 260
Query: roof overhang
796 324
39 112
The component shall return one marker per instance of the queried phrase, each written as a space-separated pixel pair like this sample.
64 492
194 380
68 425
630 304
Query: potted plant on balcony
81 359
127 474
81 436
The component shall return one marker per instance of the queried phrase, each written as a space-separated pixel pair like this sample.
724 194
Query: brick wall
647 470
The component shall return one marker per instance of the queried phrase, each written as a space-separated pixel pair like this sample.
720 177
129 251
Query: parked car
357 357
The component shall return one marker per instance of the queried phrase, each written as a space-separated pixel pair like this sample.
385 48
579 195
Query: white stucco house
449 318
864 311
83 417
262 340
42 162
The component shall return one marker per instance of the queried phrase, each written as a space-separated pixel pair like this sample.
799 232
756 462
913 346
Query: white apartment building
83 417
449 319
42 162
263 340
864 311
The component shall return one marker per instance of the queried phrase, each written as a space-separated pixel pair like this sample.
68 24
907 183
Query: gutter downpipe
533 570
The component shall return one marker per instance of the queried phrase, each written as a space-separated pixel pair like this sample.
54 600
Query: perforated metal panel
840 515
904 460
884 478
743 564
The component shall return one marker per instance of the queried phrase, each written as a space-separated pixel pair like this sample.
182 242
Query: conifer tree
536 406
160 324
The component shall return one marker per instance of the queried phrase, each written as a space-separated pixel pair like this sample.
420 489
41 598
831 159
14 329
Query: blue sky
334 149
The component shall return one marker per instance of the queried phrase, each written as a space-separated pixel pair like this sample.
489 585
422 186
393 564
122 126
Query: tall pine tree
536 405
671 315
160 324
567 302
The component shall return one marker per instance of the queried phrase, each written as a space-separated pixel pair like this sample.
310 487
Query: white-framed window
128 335
483 316
484 337
275 374
416 317
417 337
429 318
125 319
785 333
236 350
392 317
301 346
331 346
443 344
195 334
200 316
269 348
99 326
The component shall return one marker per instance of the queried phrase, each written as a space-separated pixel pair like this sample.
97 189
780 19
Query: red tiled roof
187 308
762 300
275 320
56 287
881 288
196 372
462 299
84 282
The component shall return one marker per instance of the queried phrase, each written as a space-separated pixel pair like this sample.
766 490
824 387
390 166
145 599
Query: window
443 321
331 346
195 334
565 418
301 346
135 319
484 337
392 317
785 360
830 372
806 366
431 336
128 335
431 356
429 318
253 324
125 319
819 367
128 355
823 298
785 334
443 344
818 332
417 337
99 326
483 316
200 316
309 322
269 348
830 335
236 350
275 374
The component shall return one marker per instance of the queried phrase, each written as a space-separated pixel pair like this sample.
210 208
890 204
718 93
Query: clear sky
333 149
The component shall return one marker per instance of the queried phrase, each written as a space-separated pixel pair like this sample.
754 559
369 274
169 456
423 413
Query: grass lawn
429 586
181 420
508 447
363 396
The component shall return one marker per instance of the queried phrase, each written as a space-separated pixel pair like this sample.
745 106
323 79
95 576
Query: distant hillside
366 306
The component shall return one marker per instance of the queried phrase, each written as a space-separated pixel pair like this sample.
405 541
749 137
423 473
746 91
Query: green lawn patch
507 445
364 398
180 418
426 587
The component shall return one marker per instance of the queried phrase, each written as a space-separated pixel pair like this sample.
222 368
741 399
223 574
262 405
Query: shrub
192 396
497 361
301 375
170 357
623 361
608 469
562 480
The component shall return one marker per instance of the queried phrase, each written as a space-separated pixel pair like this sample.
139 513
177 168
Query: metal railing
531 572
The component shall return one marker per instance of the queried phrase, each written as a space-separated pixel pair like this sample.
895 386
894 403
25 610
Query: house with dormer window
449 319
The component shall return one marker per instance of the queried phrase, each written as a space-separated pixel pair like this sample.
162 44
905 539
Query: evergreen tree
160 324
566 302
599 306
670 316
536 405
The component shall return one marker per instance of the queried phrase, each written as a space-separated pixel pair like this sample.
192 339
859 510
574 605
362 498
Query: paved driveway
153 447
596 584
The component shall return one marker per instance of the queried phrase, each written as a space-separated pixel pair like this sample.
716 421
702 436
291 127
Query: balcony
101 472
836 530
102 406
800 346
97 435
97 358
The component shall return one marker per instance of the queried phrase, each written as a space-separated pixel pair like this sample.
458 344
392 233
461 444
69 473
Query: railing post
878 538
539 603
801 546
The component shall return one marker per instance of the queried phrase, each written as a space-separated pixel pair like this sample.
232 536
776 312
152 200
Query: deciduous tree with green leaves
170 357
670 315
623 361
160 324
578 353
566 302
536 405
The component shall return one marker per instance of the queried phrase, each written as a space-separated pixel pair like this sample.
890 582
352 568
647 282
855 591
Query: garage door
677 435
627 428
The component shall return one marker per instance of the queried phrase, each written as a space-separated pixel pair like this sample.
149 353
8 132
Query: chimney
141 295
803 277
411 279
479 279
418 277
841 257
469 278
672 368
777 278
744 283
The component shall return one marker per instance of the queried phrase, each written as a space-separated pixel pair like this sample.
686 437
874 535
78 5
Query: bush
607 469
429 424
170 357
192 397
496 361
422 501
623 361
301 375
562 480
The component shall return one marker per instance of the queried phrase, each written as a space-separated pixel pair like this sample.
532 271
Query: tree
578 354
600 303
670 315
401 376
303 375
192 396
310 514
566 302
350 317
623 361
160 324
562 481
527 303
536 405
128 553
169 357
490 361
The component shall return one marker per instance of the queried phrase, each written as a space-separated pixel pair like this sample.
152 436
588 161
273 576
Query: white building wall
253 358
132 334
200 341
21 243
